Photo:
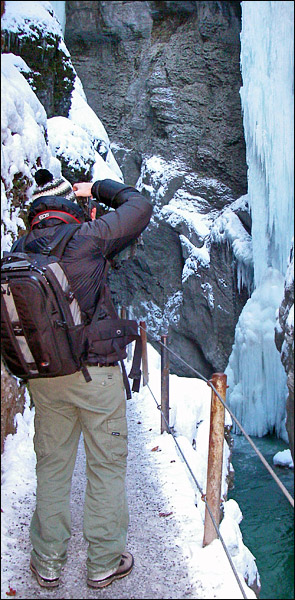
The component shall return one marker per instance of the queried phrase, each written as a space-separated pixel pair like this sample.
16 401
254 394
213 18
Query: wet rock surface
164 77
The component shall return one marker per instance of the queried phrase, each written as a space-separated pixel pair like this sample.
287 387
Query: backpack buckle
46 251
61 324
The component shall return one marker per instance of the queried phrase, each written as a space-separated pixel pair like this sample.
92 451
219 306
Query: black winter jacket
96 241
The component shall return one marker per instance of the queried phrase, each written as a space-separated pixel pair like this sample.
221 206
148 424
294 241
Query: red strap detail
54 214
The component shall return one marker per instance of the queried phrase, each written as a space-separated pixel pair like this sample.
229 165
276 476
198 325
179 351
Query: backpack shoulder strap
60 240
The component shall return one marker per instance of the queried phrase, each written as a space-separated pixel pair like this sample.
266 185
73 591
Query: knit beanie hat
54 200
48 186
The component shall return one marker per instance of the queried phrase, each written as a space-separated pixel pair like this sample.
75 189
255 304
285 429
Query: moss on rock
52 74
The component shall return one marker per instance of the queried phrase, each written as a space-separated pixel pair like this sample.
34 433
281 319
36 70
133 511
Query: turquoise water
268 517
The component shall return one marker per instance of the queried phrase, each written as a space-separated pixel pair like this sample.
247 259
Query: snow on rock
283 459
71 145
82 115
228 228
28 18
23 126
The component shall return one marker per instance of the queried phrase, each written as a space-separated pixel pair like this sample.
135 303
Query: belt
97 364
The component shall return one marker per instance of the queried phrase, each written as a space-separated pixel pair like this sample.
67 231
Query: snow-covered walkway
160 570
166 529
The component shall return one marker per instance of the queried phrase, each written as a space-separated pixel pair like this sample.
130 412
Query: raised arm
118 228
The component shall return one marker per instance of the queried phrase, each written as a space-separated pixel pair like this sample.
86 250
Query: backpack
43 330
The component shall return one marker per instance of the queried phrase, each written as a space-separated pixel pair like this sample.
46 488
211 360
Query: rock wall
164 77
169 284
284 338
12 402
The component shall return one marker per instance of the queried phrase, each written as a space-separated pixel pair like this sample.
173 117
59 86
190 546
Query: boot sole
46 583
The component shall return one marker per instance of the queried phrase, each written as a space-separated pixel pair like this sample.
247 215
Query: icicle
267 64
256 377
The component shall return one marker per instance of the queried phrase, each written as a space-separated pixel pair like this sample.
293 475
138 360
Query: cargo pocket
117 429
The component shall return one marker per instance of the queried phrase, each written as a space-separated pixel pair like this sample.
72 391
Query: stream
268 517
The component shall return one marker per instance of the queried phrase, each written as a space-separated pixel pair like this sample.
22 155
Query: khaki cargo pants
65 407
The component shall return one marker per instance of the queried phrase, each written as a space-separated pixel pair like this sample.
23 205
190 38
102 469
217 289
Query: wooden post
145 371
215 458
165 367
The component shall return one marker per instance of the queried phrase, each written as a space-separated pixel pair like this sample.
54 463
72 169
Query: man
66 406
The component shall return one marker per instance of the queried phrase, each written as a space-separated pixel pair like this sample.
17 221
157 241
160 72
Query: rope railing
263 460
166 427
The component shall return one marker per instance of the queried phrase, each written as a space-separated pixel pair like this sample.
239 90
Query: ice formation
257 381
256 376
267 65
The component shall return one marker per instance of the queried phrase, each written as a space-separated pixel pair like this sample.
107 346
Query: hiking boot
124 568
43 582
